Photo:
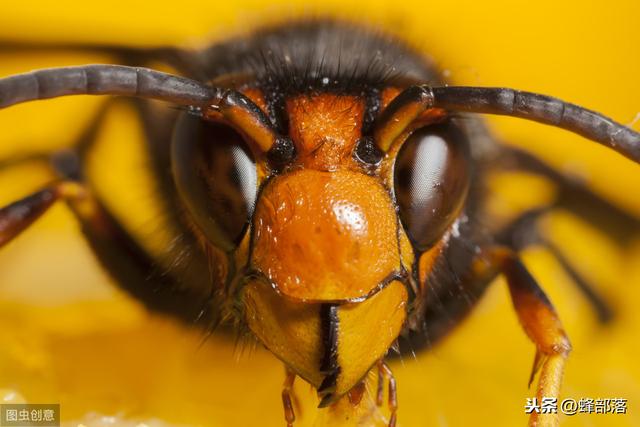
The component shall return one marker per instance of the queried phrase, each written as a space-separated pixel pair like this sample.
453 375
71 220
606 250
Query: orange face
328 254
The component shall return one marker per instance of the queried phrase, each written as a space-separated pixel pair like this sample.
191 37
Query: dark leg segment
19 215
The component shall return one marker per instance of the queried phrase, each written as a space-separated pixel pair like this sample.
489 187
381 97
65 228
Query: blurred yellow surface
69 335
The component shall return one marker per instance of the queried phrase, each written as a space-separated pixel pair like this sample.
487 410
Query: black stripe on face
329 364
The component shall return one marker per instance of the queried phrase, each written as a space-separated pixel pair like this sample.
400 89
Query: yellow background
68 335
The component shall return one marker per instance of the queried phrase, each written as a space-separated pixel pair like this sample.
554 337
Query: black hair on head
319 55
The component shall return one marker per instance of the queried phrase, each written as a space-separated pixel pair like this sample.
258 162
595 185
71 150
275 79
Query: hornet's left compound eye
216 178
431 179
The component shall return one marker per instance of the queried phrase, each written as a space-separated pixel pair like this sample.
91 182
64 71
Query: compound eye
216 178
431 179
